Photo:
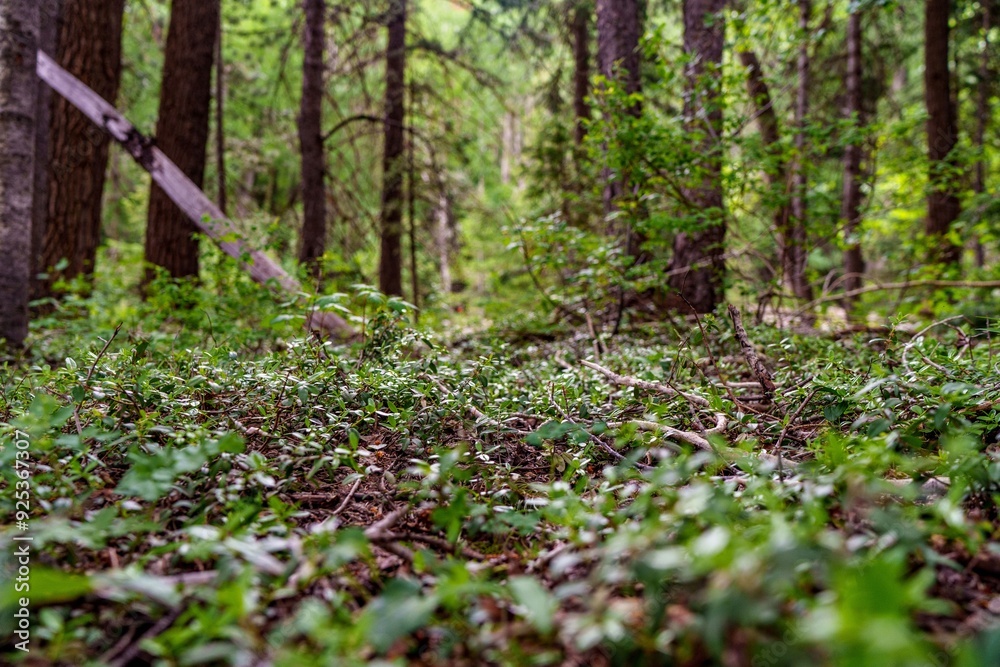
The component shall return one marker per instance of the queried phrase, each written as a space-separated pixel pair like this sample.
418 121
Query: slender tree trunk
411 201
444 238
182 130
313 243
854 265
698 256
48 41
394 159
89 47
580 28
220 125
776 168
982 114
19 27
794 250
618 58
943 206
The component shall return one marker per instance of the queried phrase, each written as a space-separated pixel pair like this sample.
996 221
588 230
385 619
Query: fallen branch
188 197
757 366
884 287
625 381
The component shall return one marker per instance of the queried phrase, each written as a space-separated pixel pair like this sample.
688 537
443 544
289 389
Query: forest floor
560 500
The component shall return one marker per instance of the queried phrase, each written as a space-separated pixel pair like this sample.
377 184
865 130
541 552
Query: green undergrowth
203 494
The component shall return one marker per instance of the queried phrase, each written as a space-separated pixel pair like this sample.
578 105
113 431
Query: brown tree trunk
698 267
48 41
19 27
854 264
776 169
982 114
394 159
943 206
313 243
618 58
794 251
182 130
220 126
580 28
89 47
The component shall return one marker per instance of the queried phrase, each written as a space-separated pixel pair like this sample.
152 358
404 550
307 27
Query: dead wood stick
967 284
757 366
188 197
626 381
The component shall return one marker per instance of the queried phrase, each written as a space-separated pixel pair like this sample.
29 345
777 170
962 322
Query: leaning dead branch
188 197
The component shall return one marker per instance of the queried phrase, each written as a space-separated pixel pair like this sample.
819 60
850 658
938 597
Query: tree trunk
794 251
89 47
776 168
943 206
220 126
580 28
311 137
182 130
618 58
982 114
854 265
394 159
48 41
698 267
19 27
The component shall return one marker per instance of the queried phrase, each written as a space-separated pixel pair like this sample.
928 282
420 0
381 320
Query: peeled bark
943 206
89 48
182 130
698 267
793 247
394 158
19 27
854 265
313 243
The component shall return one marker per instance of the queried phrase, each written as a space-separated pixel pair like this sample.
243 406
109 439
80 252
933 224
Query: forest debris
757 366
626 381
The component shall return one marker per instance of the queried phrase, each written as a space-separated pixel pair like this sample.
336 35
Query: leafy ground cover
204 495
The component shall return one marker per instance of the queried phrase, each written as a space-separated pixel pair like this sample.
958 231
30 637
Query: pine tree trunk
89 47
854 265
48 41
182 130
776 167
19 27
982 113
618 58
311 137
394 159
698 267
943 206
794 251
580 28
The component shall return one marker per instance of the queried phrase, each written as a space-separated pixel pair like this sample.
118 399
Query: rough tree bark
854 264
89 47
794 250
580 30
698 267
48 41
394 158
618 58
182 130
313 242
943 206
19 27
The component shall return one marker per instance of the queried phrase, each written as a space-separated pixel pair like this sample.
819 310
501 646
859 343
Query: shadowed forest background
570 332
